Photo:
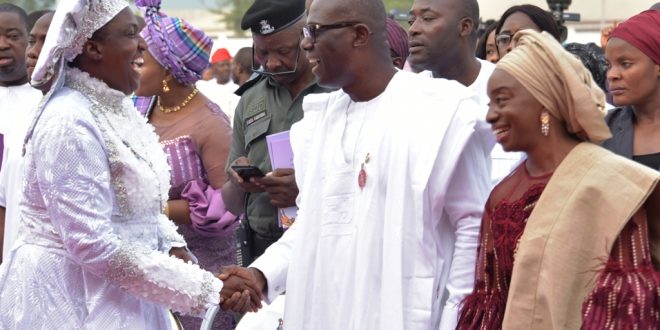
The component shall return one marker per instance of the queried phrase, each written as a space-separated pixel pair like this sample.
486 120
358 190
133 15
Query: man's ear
398 62
465 26
93 49
362 34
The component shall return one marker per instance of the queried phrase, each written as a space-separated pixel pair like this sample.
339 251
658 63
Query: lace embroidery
99 12
169 237
157 277
122 267
116 119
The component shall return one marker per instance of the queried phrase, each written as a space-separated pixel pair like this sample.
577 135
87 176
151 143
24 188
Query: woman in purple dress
195 135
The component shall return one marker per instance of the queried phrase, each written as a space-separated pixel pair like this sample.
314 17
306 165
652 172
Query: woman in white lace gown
93 242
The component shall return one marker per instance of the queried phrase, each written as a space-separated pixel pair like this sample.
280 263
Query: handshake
242 289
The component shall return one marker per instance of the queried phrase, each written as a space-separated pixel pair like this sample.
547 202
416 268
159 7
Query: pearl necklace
180 106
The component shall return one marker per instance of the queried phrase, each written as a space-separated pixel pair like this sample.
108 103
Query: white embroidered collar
94 88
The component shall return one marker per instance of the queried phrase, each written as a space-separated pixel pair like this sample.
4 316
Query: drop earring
545 122
166 88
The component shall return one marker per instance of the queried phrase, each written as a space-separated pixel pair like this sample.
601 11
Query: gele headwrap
643 32
397 38
559 82
74 22
178 46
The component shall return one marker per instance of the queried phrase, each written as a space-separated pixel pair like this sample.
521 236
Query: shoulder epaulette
248 84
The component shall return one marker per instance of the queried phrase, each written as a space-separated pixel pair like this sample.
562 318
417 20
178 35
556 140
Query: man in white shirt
13 77
390 207
18 101
220 88
442 38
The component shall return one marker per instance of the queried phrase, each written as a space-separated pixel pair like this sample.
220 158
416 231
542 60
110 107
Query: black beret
266 17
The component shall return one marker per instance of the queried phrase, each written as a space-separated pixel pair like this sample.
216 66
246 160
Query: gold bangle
166 210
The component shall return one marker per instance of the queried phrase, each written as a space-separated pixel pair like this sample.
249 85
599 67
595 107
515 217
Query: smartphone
247 171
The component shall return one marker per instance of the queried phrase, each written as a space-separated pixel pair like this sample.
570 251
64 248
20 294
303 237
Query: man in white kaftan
17 105
429 40
17 99
399 252
389 206
93 245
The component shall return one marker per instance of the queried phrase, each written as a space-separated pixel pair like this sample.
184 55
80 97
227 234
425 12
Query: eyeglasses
262 68
311 30
503 39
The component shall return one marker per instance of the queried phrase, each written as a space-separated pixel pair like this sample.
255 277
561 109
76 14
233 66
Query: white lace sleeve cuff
156 277
168 236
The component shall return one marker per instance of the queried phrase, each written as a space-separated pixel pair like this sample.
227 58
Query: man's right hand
237 180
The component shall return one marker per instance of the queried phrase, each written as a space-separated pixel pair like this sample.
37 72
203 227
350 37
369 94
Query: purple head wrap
398 38
176 45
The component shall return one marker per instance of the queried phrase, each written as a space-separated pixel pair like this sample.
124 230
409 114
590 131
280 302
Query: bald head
462 9
346 43
370 12
442 36
243 58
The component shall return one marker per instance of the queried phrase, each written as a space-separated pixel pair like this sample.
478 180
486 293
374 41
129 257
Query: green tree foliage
402 5
32 5
232 12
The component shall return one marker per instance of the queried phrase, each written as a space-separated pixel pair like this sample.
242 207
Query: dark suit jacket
620 121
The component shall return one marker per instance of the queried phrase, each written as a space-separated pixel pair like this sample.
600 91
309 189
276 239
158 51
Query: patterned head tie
178 46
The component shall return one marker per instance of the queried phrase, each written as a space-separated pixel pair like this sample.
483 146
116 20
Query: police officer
271 103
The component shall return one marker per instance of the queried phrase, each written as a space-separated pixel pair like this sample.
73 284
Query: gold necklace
180 106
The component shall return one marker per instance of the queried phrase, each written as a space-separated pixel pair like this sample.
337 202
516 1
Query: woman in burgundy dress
569 238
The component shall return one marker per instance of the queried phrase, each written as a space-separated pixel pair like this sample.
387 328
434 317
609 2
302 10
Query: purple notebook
281 156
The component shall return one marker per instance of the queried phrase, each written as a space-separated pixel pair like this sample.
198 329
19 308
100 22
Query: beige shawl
569 235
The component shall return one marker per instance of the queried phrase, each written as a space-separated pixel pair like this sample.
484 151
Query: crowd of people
446 176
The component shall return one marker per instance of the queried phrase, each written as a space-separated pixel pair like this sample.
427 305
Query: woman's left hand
182 253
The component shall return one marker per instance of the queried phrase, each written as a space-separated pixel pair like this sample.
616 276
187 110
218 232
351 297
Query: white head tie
73 24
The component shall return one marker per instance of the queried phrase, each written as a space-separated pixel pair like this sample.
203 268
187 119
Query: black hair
34 16
543 19
11 8
484 25
593 58
481 45
243 58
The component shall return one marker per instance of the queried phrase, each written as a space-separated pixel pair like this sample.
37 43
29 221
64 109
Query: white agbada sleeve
464 203
274 263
